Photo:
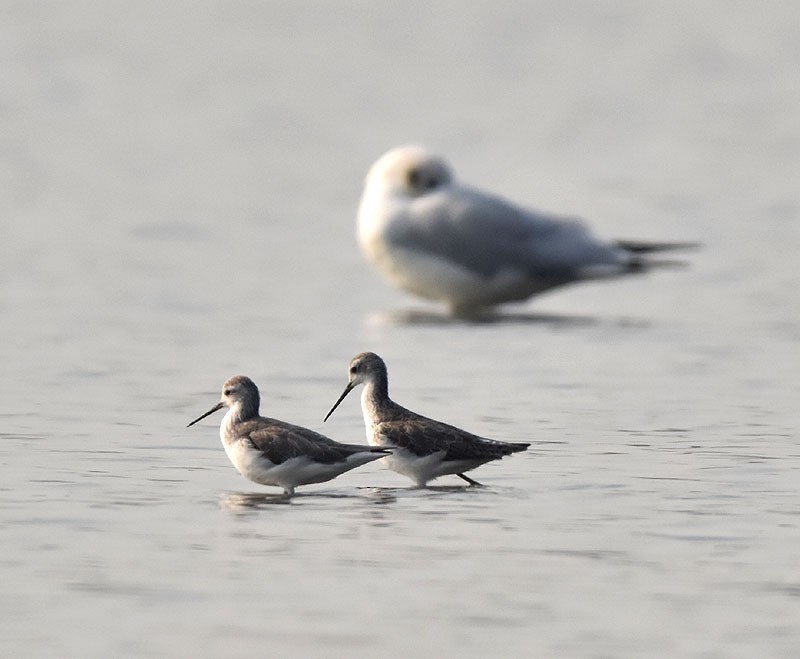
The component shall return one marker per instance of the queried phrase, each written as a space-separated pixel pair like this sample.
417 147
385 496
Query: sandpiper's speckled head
238 391
364 367
409 171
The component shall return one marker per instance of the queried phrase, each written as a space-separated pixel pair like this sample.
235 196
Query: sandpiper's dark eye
354 369
227 392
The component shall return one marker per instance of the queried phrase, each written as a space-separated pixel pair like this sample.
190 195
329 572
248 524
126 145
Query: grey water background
178 185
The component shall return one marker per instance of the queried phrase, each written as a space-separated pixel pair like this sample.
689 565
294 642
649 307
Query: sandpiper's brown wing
423 436
280 441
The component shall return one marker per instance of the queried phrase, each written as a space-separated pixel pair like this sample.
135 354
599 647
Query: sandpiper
422 448
272 452
449 242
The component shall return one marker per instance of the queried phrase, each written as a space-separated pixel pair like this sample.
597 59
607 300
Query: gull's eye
431 183
420 179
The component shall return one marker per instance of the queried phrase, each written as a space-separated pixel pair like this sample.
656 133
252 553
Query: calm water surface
179 201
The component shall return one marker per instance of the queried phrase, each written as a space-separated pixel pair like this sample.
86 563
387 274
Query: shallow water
180 197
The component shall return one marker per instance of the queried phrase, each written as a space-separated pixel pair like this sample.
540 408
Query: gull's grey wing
485 233
281 441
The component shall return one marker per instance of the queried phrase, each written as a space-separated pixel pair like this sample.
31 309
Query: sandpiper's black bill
216 407
346 391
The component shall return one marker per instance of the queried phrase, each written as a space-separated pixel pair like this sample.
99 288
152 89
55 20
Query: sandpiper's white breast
248 460
369 410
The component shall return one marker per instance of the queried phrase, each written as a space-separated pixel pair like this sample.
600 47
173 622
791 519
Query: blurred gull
442 240
272 452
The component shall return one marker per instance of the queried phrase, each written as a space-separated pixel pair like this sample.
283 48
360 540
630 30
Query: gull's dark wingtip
643 247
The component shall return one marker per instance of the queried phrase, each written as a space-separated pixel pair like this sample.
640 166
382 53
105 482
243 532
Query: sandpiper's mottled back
423 448
272 452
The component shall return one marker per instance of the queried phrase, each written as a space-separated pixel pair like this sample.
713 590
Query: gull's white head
410 171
